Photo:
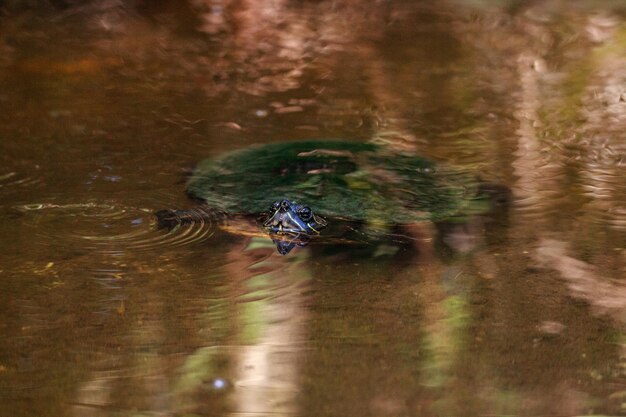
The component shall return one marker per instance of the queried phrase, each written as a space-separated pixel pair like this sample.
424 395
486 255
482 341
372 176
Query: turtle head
290 224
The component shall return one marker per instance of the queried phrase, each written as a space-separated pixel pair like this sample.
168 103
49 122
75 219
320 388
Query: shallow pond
106 106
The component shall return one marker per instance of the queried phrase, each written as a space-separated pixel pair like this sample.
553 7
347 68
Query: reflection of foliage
196 381
444 343
340 179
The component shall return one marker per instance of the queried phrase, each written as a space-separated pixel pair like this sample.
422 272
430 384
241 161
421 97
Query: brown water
104 108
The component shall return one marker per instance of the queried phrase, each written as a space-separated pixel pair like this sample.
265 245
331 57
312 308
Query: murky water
106 107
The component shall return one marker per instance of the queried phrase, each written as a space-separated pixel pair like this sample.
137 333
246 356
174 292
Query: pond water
106 106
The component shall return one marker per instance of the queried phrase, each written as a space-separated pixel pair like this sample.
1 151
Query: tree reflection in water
104 102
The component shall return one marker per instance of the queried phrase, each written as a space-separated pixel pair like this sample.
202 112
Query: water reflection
106 106
250 364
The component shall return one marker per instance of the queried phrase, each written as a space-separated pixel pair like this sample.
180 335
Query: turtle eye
305 213
275 206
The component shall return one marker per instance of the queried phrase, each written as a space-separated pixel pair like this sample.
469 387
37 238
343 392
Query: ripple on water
110 228
605 186
10 180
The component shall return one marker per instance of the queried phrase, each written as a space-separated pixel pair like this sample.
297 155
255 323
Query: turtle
290 224
293 190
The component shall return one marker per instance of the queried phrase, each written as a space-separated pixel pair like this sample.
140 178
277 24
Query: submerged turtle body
300 186
344 180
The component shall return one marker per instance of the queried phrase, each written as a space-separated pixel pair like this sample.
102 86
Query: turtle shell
348 180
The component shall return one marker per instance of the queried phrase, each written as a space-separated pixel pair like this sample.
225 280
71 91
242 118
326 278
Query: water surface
105 107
